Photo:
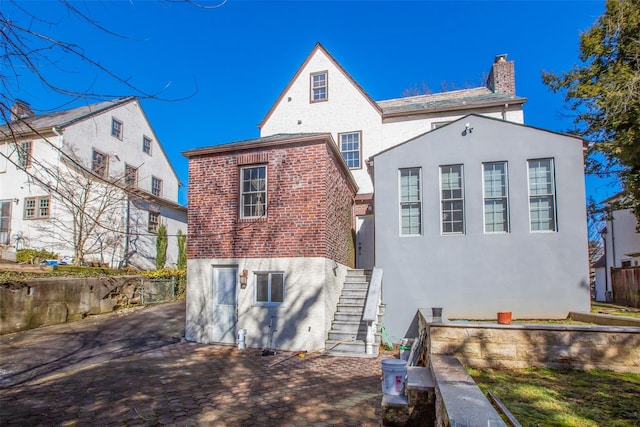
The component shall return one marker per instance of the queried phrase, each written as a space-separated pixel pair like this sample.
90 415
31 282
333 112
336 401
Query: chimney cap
501 58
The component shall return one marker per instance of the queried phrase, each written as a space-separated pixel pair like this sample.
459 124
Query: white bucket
242 333
393 373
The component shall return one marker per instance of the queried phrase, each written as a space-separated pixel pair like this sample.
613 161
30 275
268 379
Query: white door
364 242
225 305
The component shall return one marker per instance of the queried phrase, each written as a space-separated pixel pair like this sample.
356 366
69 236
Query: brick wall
309 205
502 76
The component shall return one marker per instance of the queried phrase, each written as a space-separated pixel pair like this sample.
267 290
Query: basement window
270 288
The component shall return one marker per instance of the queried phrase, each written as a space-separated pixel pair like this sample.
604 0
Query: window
130 175
496 208
626 263
253 192
116 128
319 86
350 148
452 199
146 145
269 288
542 203
410 205
154 221
156 186
24 154
99 163
36 207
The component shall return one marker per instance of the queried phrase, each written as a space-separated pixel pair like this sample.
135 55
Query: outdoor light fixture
243 279
467 129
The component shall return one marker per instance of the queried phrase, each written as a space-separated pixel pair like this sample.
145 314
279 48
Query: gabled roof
446 101
319 48
59 119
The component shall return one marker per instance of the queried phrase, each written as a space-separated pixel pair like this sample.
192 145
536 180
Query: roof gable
318 50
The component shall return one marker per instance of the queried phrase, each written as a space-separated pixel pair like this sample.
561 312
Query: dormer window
319 86
116 128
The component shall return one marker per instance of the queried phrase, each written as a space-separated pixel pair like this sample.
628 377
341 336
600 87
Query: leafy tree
161 247
182 251
603 93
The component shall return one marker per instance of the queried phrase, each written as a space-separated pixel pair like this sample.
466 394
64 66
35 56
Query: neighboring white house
482 216
323 97
100 167
621 242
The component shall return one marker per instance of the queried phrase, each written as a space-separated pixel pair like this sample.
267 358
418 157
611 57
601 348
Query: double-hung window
146 145
542 195
156 186
496 207
99 163
319 86
452 199
350 147
410 202
154 221
24 154
130 175
270 288
253 192
36 207
116 128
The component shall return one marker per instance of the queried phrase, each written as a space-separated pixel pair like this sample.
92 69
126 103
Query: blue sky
232 62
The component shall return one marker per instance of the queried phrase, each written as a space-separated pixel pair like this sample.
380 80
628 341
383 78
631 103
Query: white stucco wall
302 322
621 242
474 275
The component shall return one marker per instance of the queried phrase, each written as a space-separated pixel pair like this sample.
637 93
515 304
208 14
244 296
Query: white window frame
410 204
24 154
153 222
504 197
37 207
358 151
319 91
538 196
146 148
447 200
100 168
117 128
156 186
269 301
256 210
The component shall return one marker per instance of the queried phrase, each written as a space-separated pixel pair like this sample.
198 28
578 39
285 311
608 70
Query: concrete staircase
348 333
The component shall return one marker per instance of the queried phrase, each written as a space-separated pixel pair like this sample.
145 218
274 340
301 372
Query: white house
96 174
323 97
481 216
621 242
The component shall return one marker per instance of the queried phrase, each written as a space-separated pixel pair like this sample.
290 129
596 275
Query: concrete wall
474 275
312 290
39 302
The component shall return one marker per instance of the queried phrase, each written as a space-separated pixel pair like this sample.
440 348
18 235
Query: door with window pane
225 305
5 221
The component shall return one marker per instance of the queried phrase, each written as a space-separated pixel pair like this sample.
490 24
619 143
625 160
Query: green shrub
27 255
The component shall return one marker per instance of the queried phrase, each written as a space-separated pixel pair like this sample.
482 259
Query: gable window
156 186
146 145
542 197
116 128
99 163
410 204
130 175
350 148
270 288
319 86
496 208
36 207
253 192
154 221
452 199
24 154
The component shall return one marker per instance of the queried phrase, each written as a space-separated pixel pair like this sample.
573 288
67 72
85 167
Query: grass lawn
615 310
546 397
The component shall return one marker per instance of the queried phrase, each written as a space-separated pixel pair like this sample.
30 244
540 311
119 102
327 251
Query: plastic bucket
393 373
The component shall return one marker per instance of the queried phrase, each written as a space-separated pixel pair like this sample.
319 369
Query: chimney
502 78
20 110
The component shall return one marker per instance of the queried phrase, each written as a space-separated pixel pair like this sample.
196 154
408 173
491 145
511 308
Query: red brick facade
309 210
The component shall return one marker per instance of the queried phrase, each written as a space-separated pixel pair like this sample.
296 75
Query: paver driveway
132 369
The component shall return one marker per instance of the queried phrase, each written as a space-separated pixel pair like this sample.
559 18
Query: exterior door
5 221
364 242
225 304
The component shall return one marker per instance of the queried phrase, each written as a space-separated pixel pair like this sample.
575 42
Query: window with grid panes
496 207
350 147
410 202
542 197
452 199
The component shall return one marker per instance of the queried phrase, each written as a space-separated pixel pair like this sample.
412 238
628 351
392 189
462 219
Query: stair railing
371 306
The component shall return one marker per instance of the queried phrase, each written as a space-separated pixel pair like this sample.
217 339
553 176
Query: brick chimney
20 110
502 78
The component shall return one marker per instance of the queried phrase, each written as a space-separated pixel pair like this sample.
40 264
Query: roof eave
457 107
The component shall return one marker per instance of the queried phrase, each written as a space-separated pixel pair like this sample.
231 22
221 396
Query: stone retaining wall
489 345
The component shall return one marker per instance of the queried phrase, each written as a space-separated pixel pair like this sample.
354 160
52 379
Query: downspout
504 111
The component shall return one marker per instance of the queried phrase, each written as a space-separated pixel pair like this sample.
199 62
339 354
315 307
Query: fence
158 290
626 286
